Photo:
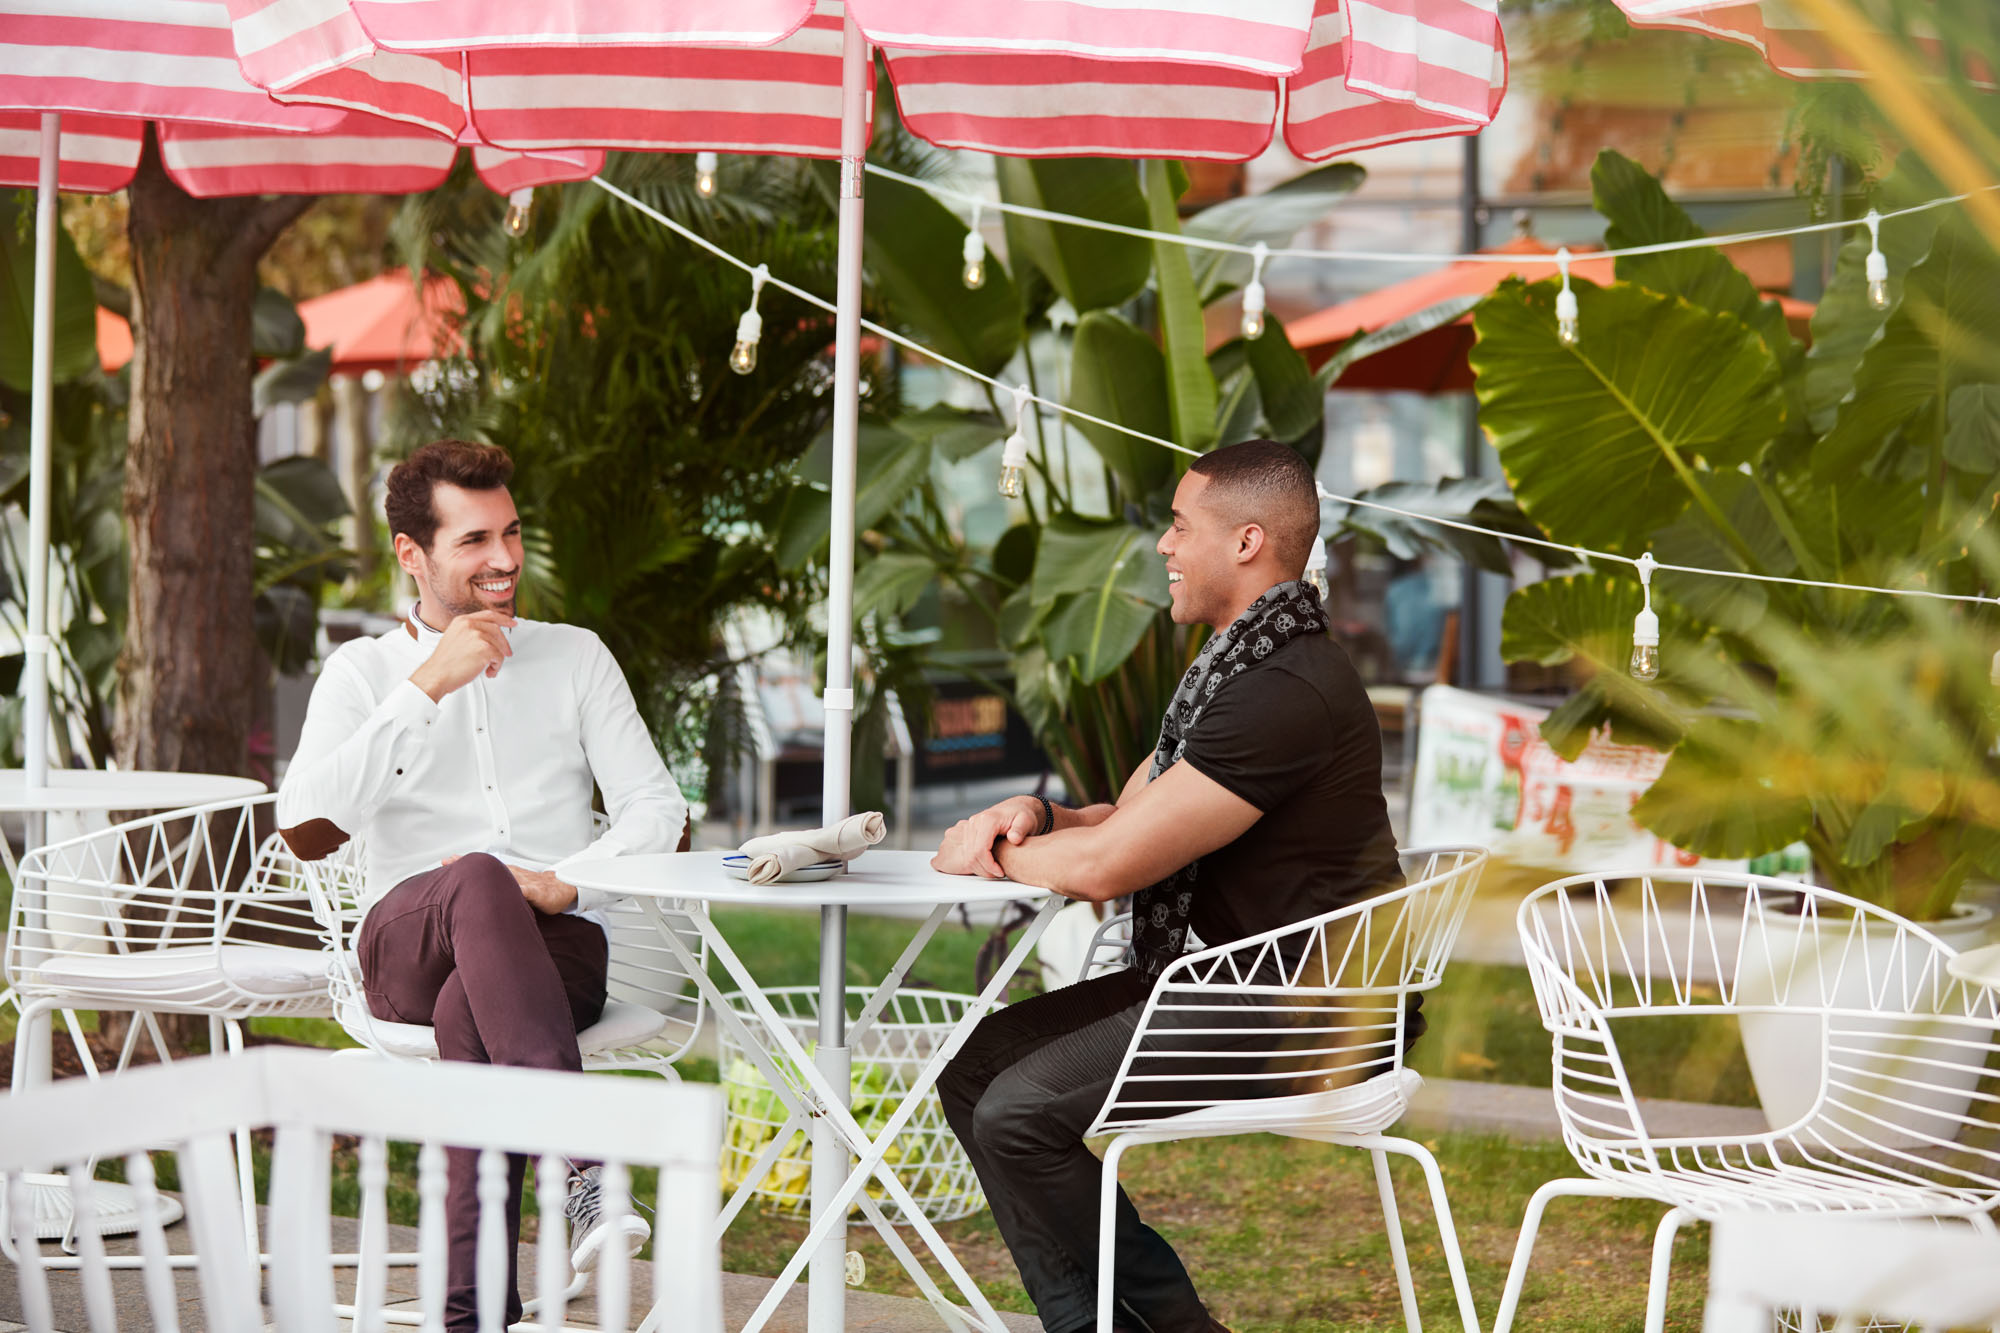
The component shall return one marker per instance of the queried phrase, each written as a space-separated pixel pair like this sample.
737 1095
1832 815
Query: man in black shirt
1262 806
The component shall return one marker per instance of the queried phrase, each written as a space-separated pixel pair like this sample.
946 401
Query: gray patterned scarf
1160 912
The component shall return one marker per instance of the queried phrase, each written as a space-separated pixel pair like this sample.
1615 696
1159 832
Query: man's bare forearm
1089 816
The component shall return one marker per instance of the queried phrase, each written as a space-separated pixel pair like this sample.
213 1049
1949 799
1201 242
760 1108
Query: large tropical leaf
1117 373
888 466
1635 204
1587 618
1273 217
1294 406
1105 585
1183 333
1693 540
1972 433
1088 268
1604 441
276 330
1846 322
74 349
891 582
1725 793
293 380
1482 501
915 248
1944 334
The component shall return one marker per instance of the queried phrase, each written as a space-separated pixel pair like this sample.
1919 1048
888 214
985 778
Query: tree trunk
191 663
191 666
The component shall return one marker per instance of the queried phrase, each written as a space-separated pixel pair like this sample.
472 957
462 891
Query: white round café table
98 792
875 880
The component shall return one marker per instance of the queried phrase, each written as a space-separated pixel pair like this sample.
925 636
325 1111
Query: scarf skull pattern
1161 911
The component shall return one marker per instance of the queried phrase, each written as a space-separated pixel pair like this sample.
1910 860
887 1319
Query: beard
462 599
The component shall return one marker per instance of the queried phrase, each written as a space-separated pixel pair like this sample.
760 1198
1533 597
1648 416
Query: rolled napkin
779 854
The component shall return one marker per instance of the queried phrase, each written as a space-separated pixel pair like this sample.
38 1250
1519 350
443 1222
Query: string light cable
950 194
1021 395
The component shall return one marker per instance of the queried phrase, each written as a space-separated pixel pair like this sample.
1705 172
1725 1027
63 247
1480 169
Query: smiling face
474 562
1205 551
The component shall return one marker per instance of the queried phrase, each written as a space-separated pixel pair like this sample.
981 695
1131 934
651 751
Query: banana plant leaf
1090 269
915 252
74 349
1478 500
1273 217
1183 334
1104 585
1119 374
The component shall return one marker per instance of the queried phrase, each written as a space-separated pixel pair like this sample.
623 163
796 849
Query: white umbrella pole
826 1278
35 688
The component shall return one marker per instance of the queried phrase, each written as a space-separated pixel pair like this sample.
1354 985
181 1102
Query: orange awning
1436 362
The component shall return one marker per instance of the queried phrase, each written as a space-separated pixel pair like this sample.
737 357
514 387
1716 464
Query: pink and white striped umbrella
1138 78
1777 31
112 66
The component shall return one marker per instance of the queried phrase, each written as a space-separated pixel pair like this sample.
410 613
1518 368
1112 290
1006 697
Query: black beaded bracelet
1048 816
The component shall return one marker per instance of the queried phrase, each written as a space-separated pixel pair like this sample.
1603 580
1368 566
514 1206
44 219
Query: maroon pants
459 949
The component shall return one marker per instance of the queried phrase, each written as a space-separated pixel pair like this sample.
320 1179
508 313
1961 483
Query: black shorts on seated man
1262 806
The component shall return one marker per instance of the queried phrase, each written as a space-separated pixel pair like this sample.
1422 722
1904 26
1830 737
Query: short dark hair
412 482
1267 483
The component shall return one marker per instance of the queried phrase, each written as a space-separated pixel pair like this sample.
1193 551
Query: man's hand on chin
544 892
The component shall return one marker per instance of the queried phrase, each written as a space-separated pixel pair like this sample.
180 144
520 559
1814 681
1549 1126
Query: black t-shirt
1296 737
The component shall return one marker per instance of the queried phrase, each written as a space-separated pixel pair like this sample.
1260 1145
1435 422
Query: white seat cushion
620 1025
184 970
1368 1107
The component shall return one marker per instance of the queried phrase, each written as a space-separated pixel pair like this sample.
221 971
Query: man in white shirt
462 747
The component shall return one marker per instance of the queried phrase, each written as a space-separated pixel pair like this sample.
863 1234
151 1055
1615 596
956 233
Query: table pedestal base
117 1210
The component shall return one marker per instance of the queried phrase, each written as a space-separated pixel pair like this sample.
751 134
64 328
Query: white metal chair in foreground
1320 1005
1898 1109
1858 1270
308 1099
190 912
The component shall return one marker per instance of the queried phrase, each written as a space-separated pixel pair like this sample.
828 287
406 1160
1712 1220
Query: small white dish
738 865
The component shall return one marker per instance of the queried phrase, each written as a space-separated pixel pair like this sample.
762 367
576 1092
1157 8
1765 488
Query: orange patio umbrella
1436 361
375 325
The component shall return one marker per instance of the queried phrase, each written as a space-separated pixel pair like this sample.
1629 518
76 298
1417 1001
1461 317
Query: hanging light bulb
1253 295
750 328
1646 628
974 272
1993 673
1878 264
519 204
1565 303
705 165
1014 453
1316 569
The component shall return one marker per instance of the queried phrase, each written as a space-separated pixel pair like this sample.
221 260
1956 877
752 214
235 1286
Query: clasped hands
968 845
544 892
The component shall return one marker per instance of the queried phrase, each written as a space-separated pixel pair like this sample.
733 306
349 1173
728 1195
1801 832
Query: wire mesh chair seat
186 912
1898 1114
311 1102
646 1023
1298 1031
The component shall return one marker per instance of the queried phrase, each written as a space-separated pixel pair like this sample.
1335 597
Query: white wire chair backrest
1895 1033
312 1103
1320 1004
171 891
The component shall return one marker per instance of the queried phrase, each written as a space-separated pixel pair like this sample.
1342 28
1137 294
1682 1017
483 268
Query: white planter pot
1818 963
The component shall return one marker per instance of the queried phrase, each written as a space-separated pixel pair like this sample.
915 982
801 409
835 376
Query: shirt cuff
408 704
589 900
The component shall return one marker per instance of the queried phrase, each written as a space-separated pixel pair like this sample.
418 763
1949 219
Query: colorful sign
1485 775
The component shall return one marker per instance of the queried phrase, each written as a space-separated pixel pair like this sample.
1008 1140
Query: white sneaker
589 1227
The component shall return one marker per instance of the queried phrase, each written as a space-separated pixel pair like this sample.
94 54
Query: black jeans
1019 1096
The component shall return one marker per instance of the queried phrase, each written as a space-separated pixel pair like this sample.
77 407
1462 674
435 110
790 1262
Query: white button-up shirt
503 764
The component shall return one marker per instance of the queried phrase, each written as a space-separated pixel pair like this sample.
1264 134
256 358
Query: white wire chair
652 1013
1862 1271
1321 1005
191 912
1898 1115
309 1100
